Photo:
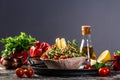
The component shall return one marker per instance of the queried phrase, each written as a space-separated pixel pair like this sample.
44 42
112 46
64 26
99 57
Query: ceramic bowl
69 63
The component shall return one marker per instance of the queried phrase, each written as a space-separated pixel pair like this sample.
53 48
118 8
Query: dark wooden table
10 75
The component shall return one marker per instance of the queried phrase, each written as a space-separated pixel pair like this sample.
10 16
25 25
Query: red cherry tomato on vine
19 72
104 71
87 66
29 72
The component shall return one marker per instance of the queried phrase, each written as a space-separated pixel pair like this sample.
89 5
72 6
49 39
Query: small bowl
69 63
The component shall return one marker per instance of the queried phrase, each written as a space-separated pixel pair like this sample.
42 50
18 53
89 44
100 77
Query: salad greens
117 52
72 50
100 65
73 44
17 43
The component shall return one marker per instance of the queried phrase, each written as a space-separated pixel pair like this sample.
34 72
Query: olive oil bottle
86 44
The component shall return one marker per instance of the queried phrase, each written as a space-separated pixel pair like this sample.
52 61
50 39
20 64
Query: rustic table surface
10 75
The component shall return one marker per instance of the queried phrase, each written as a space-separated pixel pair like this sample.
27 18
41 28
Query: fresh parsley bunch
18 43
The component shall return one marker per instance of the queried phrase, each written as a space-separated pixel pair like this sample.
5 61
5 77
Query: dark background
49 19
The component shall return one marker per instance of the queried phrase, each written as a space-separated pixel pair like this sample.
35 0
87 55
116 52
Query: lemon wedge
58 43
63 43
104 56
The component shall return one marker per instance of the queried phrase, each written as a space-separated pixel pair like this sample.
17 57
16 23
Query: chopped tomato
63 57
56 57
44 56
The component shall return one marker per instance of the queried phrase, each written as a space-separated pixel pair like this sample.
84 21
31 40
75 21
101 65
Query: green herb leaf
117 52
98 65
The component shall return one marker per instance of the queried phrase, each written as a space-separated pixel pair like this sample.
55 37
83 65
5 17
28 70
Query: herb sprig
18 43
98 65
117 52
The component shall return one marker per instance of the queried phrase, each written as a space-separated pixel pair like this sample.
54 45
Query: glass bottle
86 44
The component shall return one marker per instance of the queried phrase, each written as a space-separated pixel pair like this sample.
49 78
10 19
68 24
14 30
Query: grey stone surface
10 75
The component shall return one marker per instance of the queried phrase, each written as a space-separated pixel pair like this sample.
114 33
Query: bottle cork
86 29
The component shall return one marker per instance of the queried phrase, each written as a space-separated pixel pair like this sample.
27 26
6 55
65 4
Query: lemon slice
104 56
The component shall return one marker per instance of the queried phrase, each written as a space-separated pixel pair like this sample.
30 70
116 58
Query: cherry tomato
29 72
63 57
56 57
108 70
19 72
44 56
104 71
87 66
